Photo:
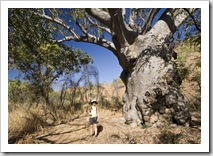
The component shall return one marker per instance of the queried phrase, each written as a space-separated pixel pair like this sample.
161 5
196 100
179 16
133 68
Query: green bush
116 102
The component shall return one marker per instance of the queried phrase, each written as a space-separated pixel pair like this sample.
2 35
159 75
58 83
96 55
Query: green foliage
78 13
118 81
19 92
32 52
185 50
189 68
105 103
144 126
183 71
27 29
196 41
117 103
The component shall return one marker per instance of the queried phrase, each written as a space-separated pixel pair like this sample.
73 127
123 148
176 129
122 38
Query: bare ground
113 130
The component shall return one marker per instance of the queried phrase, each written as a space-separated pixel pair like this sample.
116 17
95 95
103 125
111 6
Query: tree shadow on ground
55 134
79 139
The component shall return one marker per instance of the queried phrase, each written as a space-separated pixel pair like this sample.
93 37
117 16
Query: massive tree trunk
151 78
152 86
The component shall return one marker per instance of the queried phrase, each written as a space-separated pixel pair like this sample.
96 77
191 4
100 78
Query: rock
171 98
167 111
159 124
153 119
147 113
133 124
149 124
146 118
172 110
182 117
173 125
122 120
166 115
162 110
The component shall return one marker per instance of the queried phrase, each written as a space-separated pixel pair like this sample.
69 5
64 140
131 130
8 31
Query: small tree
17 91
32 52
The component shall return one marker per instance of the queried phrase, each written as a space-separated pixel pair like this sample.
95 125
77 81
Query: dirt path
113 130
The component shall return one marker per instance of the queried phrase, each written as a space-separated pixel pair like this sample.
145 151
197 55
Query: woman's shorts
93 120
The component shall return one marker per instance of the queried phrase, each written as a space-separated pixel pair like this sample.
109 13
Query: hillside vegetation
189 66
66 119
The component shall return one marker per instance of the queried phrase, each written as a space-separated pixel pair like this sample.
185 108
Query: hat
94 101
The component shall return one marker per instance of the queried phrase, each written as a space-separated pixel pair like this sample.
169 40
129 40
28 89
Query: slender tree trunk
152 94
48 104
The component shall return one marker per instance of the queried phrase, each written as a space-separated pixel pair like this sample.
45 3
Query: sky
104 60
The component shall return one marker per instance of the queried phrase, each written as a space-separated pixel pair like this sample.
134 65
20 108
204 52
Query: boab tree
149 74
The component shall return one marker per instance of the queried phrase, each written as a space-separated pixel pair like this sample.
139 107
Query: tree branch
99 41
124 13
132 18
100 15
193 19
123 32
87 38
148 22
58 21
82 28
97 25
66 38
168 23
91 39
176 17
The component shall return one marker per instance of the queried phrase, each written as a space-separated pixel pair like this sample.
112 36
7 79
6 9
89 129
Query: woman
93 118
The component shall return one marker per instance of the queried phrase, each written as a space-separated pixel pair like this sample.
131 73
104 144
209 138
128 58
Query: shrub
105 103
116 103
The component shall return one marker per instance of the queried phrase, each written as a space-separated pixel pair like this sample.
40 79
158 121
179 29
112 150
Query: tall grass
22 122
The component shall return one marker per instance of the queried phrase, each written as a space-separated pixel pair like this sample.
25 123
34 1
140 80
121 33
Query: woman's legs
91 129
95 129
93 126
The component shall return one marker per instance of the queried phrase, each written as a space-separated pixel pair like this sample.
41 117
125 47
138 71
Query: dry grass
188 60
22 122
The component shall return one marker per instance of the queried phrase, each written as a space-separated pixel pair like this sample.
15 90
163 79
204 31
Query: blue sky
107 64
